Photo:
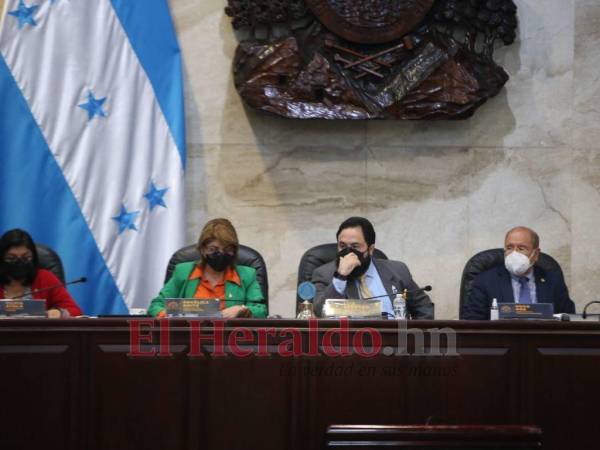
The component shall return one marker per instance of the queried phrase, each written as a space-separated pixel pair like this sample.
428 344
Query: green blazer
180 286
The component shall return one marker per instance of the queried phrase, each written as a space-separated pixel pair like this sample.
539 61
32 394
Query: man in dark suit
519 280
355 274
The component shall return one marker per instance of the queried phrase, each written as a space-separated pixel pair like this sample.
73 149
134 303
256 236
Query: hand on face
348 263
354 254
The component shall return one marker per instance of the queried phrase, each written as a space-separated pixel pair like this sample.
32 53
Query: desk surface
86 324
78 382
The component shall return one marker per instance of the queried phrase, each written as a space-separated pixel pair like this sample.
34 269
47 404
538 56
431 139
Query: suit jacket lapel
387 278
506 289
233 292
189 288
543 292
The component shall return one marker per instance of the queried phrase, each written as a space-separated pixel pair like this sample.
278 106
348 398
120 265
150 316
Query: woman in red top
20 276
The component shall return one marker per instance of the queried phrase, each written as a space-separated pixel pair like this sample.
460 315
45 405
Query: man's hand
236 311
347 264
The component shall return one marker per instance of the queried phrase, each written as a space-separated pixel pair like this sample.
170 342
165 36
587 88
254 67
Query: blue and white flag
92 141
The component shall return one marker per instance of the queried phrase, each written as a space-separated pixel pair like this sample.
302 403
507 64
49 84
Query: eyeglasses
354 246
14 259
230 250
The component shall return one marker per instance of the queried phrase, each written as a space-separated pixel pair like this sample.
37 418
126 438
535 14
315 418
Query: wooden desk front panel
75 381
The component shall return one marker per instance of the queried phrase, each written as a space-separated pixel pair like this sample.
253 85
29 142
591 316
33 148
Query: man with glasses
518 280
355 274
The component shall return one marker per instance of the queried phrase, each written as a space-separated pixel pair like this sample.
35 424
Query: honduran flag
92 141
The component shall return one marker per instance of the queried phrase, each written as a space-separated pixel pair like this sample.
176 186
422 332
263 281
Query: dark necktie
524 294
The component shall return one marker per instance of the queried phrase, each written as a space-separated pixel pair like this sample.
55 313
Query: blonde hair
221 230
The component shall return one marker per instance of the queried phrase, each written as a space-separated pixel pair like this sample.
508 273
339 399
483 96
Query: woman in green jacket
215 275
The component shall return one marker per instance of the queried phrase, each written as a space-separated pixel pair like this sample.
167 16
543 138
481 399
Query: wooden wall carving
373 59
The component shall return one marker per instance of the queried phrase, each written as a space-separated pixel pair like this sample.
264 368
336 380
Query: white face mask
517 263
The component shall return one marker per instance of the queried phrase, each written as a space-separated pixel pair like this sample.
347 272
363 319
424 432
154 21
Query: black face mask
365 261
219 261
19 269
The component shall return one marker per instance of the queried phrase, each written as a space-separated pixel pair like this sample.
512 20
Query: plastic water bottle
494 310
399 307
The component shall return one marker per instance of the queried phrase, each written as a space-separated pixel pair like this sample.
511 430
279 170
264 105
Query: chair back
50 260
316 257
487 259
246 257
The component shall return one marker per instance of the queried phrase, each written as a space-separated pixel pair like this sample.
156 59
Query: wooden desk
433 437
73 380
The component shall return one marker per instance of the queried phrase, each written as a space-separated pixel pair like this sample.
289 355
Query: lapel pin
543 280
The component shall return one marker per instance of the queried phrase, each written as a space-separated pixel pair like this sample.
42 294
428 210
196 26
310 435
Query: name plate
521 311
23 308
193 307
357 309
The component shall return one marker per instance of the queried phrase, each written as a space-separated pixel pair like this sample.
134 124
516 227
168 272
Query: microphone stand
584 314
49 288
405 293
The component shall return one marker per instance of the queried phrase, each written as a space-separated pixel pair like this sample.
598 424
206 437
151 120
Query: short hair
535 238
363 224
221 230
17 238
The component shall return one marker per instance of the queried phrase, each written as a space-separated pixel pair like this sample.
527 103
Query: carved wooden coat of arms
370 59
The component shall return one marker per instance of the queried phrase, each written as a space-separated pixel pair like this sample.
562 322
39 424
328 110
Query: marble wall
437 192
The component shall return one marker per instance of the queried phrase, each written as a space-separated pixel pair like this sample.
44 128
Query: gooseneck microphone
415 291
49 288
594 302
423 289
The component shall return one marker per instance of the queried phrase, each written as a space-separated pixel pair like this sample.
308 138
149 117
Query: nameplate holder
22 308
193 307
525 311
354 309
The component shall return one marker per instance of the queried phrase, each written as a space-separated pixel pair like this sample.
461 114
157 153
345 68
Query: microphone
594 302
37 291
423 289
407 293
